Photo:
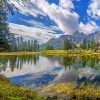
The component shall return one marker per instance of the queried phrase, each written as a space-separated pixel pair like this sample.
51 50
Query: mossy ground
60 91
55 91
10 91
71 91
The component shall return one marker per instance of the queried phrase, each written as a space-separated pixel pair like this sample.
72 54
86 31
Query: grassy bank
77 52
10 91
18 53
51 52
71 91
55 91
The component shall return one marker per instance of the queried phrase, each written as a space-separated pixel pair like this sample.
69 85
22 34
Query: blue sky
46 19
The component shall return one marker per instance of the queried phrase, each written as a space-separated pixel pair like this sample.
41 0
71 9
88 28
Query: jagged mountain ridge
76 38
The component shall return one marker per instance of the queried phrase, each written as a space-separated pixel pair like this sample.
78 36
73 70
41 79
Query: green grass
10 91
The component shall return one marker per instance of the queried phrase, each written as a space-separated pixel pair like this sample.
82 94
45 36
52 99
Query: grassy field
51 52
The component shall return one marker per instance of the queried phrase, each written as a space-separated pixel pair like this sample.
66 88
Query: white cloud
41 34
67 4
66 20
63 15
94 9
40 25
88 28
27 6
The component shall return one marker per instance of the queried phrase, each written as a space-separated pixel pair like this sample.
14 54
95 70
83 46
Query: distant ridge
77 38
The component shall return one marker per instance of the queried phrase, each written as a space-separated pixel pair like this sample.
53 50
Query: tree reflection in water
46 68
66 61
16 61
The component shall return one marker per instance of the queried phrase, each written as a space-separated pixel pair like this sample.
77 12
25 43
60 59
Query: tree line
20 44
68 44
8 41
85 45
89 44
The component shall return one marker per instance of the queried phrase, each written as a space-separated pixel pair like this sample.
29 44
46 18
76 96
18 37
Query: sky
46 19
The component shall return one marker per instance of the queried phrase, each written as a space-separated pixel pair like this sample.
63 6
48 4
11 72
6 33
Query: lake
39 70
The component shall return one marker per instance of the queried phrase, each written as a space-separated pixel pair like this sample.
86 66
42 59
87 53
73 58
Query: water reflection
38 70
16 61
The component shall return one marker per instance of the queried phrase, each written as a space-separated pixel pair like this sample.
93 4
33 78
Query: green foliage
49 47
68 61
36 46
68 44
88 44
9 91
93 44
19 44
83 45
4 32
3 79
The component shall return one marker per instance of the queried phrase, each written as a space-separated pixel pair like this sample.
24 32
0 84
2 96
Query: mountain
57 43
95 35
77 38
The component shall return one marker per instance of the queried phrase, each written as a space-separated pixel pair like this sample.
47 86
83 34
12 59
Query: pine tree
4 32
93 44
35 45
83 45
88 45
68 44
49 47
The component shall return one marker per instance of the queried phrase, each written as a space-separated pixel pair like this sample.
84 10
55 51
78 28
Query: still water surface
32 71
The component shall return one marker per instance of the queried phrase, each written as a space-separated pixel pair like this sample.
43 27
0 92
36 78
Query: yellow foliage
85 90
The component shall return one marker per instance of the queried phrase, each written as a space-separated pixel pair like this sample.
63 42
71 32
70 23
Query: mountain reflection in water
38 70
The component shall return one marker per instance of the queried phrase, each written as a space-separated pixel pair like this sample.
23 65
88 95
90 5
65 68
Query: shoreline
52 52
11 91
54 91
